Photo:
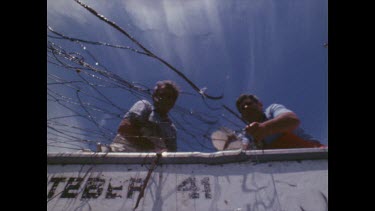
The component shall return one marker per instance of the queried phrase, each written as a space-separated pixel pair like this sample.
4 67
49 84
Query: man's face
164 99
251 110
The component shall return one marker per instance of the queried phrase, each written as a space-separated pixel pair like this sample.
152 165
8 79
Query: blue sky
271 48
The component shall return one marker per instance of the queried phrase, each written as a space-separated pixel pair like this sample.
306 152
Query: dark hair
242 97
169 85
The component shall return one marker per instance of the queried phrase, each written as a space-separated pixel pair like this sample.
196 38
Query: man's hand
245 146
257 130
161 150
159 144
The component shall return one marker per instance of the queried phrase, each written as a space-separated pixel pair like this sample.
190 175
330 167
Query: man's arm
285 122
130 126
129 130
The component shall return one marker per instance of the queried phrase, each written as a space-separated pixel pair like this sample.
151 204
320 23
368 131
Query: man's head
250 107
164 96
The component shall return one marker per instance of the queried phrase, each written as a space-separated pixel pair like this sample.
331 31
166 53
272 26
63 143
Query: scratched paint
281 185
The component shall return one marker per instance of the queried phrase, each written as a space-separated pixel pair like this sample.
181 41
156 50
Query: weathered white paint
270 180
